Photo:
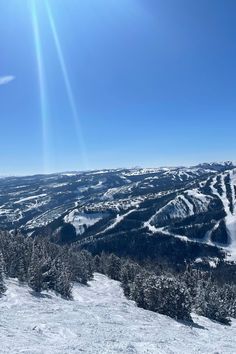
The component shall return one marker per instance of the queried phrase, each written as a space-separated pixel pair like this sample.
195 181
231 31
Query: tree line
42 265
172 294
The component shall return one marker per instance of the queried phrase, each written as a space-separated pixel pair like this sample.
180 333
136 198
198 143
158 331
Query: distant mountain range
111 209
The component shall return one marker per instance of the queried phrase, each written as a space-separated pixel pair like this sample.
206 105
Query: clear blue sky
113 83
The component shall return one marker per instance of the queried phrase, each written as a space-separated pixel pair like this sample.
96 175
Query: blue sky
88 84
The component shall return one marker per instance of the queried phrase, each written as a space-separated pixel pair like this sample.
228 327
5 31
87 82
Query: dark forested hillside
170 213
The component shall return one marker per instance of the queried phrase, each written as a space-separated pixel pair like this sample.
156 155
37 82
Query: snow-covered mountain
101 320
188 203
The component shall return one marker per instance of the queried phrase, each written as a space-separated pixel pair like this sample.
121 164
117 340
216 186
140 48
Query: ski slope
230 219
100 320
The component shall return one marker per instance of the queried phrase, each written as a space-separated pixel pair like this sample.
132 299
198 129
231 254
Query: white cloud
6 79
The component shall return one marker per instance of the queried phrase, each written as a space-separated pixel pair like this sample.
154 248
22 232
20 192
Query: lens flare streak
67 85
42 86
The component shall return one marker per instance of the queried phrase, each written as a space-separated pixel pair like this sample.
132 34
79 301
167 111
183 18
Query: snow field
100 320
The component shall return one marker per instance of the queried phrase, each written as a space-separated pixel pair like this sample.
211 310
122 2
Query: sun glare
68 86
42 86
83 163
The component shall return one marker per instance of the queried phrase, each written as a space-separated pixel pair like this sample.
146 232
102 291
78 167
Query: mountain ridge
189 203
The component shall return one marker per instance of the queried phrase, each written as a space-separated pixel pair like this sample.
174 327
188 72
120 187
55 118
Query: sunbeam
68 86
42 87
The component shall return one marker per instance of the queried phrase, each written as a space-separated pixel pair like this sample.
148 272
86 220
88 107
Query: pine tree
103 263
128 272
137 289
21 271
113 267
89 263
97 263
152 296
2 283
35 280
167 296
79 267
63 282
211 301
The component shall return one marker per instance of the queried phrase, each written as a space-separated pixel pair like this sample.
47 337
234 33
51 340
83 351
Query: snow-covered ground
181 207
100 320
82 220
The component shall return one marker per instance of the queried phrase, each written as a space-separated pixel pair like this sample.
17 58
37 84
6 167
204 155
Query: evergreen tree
35 280
167 296
81 266
44 265
103 263
137 289
63 282
2 283
21 271
211 301
97 263
113 267
128 272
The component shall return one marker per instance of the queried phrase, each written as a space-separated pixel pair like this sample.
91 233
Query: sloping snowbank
100 320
